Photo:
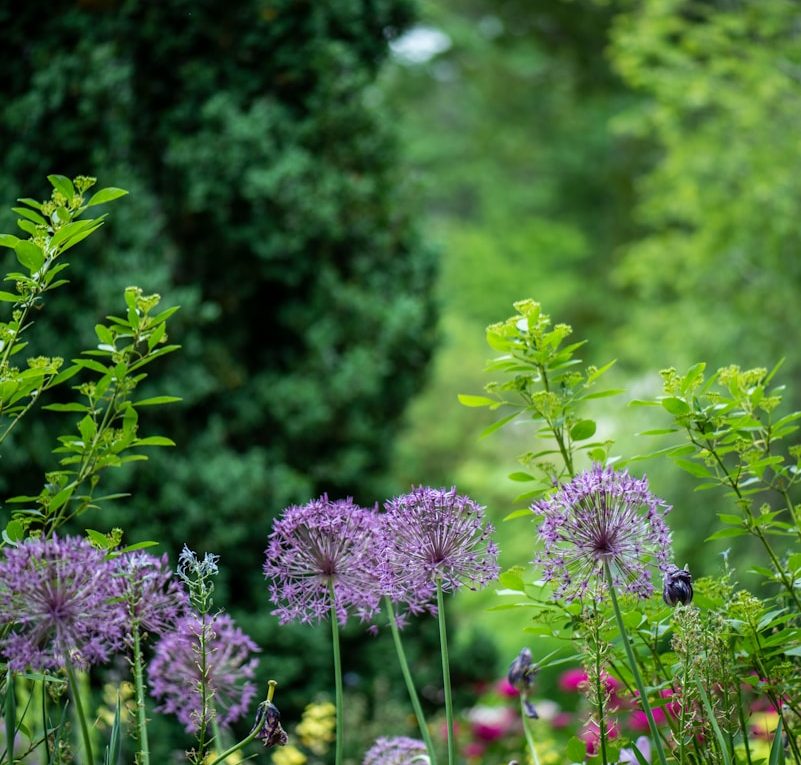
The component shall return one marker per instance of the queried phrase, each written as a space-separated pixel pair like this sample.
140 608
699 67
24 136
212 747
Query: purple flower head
319 546
435 534
154 598
174 673
61 601
602 517
398 750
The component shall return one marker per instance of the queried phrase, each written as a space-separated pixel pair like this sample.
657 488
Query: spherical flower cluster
321 549
62 603
398 750
154 598
602 518
435 535
174 673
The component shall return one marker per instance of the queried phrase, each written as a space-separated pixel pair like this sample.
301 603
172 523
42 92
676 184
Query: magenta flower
398 750
154 598
317 547
602 517
60 600
435 534
174 673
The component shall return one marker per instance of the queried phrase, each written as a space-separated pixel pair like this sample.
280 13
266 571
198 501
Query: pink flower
561 720
572 680
505 688
591 734
474 749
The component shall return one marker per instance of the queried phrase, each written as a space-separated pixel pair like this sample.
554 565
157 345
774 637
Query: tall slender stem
76 697
45 723
337 676
446 673
635 670
407 676
141 712
529 737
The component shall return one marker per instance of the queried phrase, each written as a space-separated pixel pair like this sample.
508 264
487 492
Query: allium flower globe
61 601
396 751
153 596
174 672
602 517
435 534
319 546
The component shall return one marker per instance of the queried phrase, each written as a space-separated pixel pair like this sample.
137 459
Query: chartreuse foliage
705 664
106 432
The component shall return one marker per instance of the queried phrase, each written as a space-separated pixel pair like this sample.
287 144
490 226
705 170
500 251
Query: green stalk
446 674
76 697
45 725
271 684
635 670
600 692
529 737
141 712
204 690
337 676
407 676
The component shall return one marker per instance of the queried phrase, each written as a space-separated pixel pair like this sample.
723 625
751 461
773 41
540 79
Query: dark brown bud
678 586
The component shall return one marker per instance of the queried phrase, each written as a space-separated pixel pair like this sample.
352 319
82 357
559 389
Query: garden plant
698 663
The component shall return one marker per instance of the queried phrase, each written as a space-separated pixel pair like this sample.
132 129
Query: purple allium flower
432 534
61 601
154 598
315 547
398 750
602 517
174 673
677 586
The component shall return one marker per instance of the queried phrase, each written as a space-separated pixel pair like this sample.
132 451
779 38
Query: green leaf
517 514
30 215
466 400
520 476
9 297
724 751
639 755
694 468
777 747
576 750
497 425
8 240
63 184
726 533
157 400
108 194
154 441
603 394
136 546
74 407
675 406
512 580
582 430
29 255
14 531
99 539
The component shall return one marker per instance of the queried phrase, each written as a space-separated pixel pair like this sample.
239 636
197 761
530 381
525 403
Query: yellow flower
107 710
316 728
231 759
288 755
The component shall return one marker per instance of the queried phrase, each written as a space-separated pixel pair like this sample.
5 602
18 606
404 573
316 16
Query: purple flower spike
432 534
317 546
174 673
602 517
396 751
61 600
154 598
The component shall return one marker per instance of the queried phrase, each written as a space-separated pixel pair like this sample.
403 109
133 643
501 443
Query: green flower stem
527 731
271 685
45 725
407 676
217 733
446 674
204 689
635 670
601 692
76 697
143 756
337 676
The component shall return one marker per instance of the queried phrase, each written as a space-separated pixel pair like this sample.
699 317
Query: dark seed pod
678 587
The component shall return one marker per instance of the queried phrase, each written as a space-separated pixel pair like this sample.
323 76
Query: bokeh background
341 195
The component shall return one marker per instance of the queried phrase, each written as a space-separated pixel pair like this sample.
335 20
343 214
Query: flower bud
522 672
268 721
678 586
